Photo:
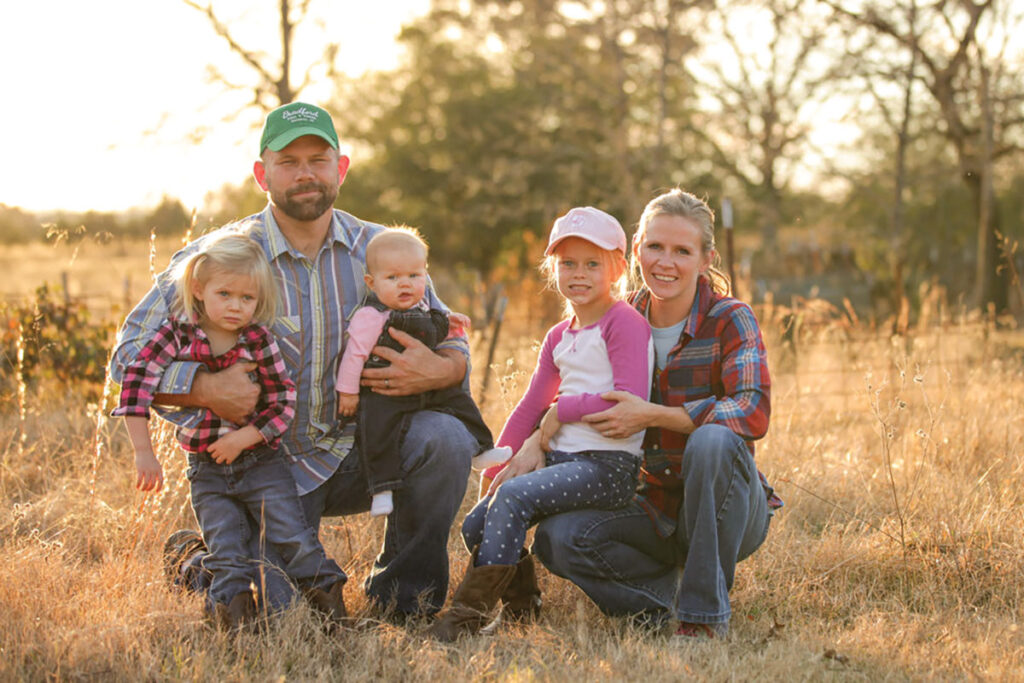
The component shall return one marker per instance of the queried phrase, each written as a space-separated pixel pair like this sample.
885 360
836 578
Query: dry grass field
898 555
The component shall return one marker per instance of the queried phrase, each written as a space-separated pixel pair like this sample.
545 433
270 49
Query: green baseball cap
291 121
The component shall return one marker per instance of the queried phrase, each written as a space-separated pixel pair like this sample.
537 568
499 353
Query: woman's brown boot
475 597
521 599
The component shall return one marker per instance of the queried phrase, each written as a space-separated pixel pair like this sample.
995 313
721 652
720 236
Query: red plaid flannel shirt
718 373
181 341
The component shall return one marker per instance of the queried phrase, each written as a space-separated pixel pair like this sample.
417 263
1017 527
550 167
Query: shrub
59 343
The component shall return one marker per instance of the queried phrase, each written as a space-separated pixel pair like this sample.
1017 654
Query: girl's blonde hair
677 202
610 259
233 253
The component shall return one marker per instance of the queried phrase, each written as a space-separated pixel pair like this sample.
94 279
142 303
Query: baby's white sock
491 457
381 504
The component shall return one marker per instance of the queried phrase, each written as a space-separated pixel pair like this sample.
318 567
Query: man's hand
415 370
529 458
149 473
230 394
347 404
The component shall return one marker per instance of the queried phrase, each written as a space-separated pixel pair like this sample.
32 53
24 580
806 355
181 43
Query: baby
396 263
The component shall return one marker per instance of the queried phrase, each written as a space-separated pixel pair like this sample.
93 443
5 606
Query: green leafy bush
60 344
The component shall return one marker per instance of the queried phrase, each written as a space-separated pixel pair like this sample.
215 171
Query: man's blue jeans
436 455
227 498
626 568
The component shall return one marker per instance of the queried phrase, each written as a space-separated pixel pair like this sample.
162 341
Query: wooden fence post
499 315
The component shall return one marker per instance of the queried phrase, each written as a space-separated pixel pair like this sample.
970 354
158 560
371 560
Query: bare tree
979 96
892 81
273 85
766 88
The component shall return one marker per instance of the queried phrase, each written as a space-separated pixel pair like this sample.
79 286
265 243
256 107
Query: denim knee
440 444
556 542
709 448
545 535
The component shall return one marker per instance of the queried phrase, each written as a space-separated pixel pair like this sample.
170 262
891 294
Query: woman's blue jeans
626 568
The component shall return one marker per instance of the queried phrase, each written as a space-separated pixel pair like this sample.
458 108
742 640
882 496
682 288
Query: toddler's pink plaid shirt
180 341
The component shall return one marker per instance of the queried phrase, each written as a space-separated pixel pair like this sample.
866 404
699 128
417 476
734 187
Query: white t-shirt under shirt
665 339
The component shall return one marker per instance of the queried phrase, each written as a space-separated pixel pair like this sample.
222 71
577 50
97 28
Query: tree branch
218 26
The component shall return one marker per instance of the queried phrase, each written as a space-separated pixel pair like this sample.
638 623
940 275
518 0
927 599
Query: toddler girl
225 295
604 345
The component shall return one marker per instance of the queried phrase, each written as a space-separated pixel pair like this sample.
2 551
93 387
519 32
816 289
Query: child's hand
347 404
529 459
225 449
149 473
549 424
460 321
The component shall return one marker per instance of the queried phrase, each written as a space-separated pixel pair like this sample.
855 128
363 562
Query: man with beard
318 256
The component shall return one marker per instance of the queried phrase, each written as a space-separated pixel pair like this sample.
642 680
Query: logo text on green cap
289 122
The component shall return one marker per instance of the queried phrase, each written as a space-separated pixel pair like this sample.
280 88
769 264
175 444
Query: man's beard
306 210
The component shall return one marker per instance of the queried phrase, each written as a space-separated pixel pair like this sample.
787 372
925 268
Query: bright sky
84 81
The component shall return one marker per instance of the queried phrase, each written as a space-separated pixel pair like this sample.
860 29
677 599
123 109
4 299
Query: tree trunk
284 86
991 282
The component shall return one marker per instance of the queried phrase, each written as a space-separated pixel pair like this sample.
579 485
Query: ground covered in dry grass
898 555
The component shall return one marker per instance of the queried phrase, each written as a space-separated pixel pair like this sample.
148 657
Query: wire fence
821 356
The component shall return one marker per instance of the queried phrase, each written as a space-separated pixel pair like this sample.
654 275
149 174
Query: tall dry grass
898 554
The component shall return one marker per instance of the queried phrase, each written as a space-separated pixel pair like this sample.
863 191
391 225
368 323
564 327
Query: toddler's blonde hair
232 253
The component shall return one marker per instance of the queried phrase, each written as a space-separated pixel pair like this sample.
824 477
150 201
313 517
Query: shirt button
668 471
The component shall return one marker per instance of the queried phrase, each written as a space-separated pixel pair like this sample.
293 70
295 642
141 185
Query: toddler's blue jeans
258 486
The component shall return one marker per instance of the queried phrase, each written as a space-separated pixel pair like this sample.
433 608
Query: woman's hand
529 458
630 414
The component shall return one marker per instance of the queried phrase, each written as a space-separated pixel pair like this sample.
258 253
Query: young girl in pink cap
604 345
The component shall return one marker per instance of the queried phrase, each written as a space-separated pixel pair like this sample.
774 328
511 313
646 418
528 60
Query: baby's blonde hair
229 252
396 238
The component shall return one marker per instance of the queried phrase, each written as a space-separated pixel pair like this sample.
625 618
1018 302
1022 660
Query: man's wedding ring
387 383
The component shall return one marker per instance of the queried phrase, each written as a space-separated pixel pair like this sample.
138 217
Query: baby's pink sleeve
363 330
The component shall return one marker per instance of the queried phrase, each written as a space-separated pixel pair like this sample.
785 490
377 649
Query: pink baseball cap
589 224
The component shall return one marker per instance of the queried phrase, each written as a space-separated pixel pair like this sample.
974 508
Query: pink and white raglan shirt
577 366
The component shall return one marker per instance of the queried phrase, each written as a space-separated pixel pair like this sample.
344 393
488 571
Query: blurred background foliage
505 113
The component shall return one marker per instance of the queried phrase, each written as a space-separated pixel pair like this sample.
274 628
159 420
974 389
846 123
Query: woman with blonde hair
671 554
